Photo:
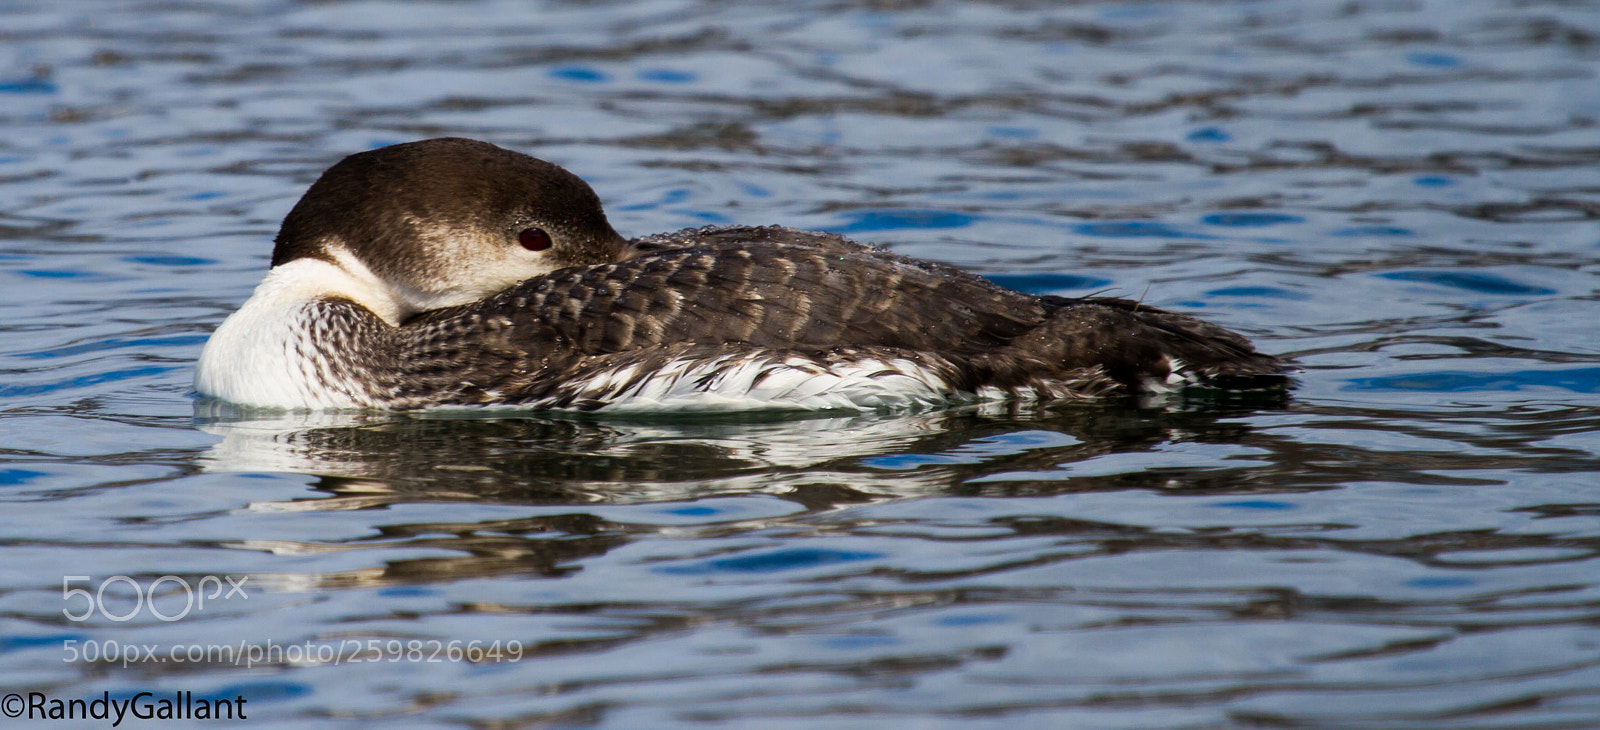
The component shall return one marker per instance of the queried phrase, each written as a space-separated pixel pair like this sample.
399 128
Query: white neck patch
263 355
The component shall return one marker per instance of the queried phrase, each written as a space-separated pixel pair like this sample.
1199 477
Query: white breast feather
255 357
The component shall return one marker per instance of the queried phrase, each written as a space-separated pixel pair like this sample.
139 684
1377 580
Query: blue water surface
1397 196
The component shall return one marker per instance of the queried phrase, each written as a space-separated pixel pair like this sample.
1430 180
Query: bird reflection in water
569 469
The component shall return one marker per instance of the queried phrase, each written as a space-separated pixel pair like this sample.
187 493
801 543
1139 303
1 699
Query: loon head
443 222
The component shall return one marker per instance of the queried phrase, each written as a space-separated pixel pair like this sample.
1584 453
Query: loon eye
534 239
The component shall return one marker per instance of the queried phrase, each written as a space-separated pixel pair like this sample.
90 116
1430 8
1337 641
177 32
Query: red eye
534 239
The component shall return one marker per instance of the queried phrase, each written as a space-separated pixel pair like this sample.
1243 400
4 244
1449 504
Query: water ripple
1399 195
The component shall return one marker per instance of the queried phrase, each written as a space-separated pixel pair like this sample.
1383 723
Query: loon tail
1132 347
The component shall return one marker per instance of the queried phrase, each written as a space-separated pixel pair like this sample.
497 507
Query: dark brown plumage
821 298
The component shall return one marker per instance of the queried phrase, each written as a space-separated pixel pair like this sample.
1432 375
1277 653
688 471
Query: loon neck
345 277
292 343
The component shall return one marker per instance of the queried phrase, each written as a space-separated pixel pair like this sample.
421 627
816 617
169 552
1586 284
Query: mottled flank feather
728 318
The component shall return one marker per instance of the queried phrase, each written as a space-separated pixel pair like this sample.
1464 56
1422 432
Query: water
1401 195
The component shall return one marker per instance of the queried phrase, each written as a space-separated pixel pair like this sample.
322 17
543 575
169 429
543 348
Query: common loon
451 272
